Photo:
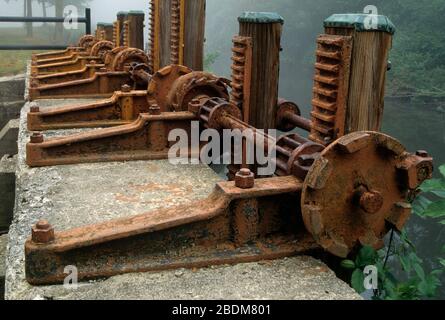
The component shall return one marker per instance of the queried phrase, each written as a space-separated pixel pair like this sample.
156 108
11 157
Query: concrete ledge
9 111
12 88
3 244
71 196
8 138
7 191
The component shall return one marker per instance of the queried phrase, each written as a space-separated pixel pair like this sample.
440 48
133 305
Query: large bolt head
37 137
154 110
244 179
416 169
34 109
371 201
43 232
125 88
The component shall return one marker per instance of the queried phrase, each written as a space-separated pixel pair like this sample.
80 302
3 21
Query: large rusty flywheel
355 193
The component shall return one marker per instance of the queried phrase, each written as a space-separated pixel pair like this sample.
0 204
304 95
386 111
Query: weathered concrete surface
3 244
12 91
12 88
70 196
8 138
7 191
9 110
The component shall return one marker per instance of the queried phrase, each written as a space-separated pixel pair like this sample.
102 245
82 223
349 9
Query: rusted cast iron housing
233 225
171 89
92 47
84 46
98 81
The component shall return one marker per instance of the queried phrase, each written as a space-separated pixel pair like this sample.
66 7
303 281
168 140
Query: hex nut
125 88
37 137
43 232
244 179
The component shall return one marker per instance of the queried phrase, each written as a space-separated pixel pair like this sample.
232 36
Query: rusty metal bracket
85 42
171 89
92 83
233 225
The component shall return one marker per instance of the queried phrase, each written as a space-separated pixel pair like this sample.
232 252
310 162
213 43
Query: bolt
42 232
371 201
154 110
34 109
103 69
422 154
125 88
194 105
92 62
244 179
37 137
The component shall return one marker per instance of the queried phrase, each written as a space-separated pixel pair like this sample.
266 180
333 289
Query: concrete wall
12 92
7 191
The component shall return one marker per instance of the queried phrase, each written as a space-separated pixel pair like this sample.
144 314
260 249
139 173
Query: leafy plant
415 283
432 203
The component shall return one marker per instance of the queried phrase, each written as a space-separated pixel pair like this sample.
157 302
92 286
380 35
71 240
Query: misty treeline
418 54
45 5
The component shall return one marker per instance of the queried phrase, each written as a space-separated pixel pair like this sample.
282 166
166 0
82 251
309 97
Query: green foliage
416 282
432 203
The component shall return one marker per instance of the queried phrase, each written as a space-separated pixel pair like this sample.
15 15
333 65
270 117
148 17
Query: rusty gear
86 41
101 48
109 56
161 84
352 195
194 85
124 58
296 155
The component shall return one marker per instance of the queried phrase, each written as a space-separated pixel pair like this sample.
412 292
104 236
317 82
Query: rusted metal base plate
119 258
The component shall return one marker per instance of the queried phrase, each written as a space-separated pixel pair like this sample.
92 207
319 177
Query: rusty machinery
94 47
101 80
99 73
86 42
334 196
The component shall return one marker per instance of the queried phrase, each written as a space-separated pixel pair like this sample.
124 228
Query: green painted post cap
122 13
359 22
136 13
101 24
261 17
108 24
